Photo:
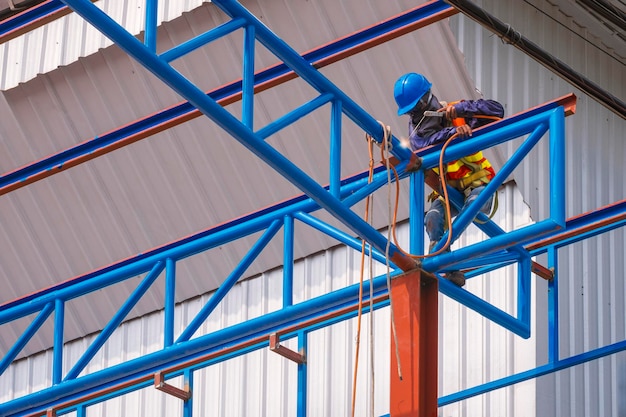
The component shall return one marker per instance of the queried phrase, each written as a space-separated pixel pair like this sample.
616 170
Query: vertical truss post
553 307
188 403
57 350
302 375
288 236
150 32
335 148
416 212
523 291
557 166
170 302
247 87
413 381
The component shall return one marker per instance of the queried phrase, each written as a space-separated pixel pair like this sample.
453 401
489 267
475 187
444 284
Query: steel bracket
161 385
297 357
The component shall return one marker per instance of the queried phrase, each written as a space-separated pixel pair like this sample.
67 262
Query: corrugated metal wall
71 37
190 177
591 272
261 383
473 349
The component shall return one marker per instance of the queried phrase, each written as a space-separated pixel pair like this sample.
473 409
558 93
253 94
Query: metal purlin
128 376
101 144
242 131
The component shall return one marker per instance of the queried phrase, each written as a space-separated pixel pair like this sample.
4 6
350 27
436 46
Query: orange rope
442 179
360 308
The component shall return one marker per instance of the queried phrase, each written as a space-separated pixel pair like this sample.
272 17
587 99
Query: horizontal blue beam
21 20
534 373
202 241
181 353
489 136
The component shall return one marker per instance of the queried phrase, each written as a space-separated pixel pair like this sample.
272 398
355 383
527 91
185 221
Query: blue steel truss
183 355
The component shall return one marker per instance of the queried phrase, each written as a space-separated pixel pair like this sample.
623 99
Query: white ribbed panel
472 349
591 272
193 176
64 40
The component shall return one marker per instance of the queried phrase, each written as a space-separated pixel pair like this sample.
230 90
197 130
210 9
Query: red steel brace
286 352
161 385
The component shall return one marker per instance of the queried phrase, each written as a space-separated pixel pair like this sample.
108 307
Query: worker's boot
456 277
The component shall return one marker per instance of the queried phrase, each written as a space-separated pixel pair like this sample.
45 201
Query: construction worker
470 174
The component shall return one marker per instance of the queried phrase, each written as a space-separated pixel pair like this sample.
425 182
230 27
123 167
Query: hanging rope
444 188
392 215
385 150
362 273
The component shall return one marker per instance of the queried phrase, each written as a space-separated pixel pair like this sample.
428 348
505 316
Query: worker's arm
429 133
471 108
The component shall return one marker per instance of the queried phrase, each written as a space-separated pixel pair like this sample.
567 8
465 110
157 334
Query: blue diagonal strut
245 135
142 128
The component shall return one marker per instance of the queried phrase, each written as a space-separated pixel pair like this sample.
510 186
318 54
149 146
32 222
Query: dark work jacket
433 130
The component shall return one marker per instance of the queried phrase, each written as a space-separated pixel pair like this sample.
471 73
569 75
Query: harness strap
475 179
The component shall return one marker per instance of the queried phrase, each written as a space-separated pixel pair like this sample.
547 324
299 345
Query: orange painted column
414 301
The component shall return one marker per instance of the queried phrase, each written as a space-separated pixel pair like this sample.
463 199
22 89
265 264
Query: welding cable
444 190
446 198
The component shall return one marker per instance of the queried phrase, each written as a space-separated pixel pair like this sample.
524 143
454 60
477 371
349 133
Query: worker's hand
450 112
464 131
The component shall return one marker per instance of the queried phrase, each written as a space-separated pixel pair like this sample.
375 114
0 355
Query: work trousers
435 217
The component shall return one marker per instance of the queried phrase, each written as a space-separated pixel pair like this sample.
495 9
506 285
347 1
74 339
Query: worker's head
408 91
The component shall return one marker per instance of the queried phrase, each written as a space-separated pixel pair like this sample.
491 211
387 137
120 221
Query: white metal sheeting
591 272
69 38
473 350
193 176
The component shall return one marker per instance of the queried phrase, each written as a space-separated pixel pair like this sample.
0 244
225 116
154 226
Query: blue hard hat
408 90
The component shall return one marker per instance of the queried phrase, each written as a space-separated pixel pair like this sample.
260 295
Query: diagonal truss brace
243 133
270 77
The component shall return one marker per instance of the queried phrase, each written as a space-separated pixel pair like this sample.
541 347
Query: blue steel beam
535 373
584 222
243 133
108 277
182 112
202 241
318 81
187 247
486 139
177 354
32 18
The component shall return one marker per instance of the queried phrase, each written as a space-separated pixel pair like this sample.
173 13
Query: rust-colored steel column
414 297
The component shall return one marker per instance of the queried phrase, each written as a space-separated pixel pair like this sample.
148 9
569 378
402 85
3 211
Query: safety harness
479 175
